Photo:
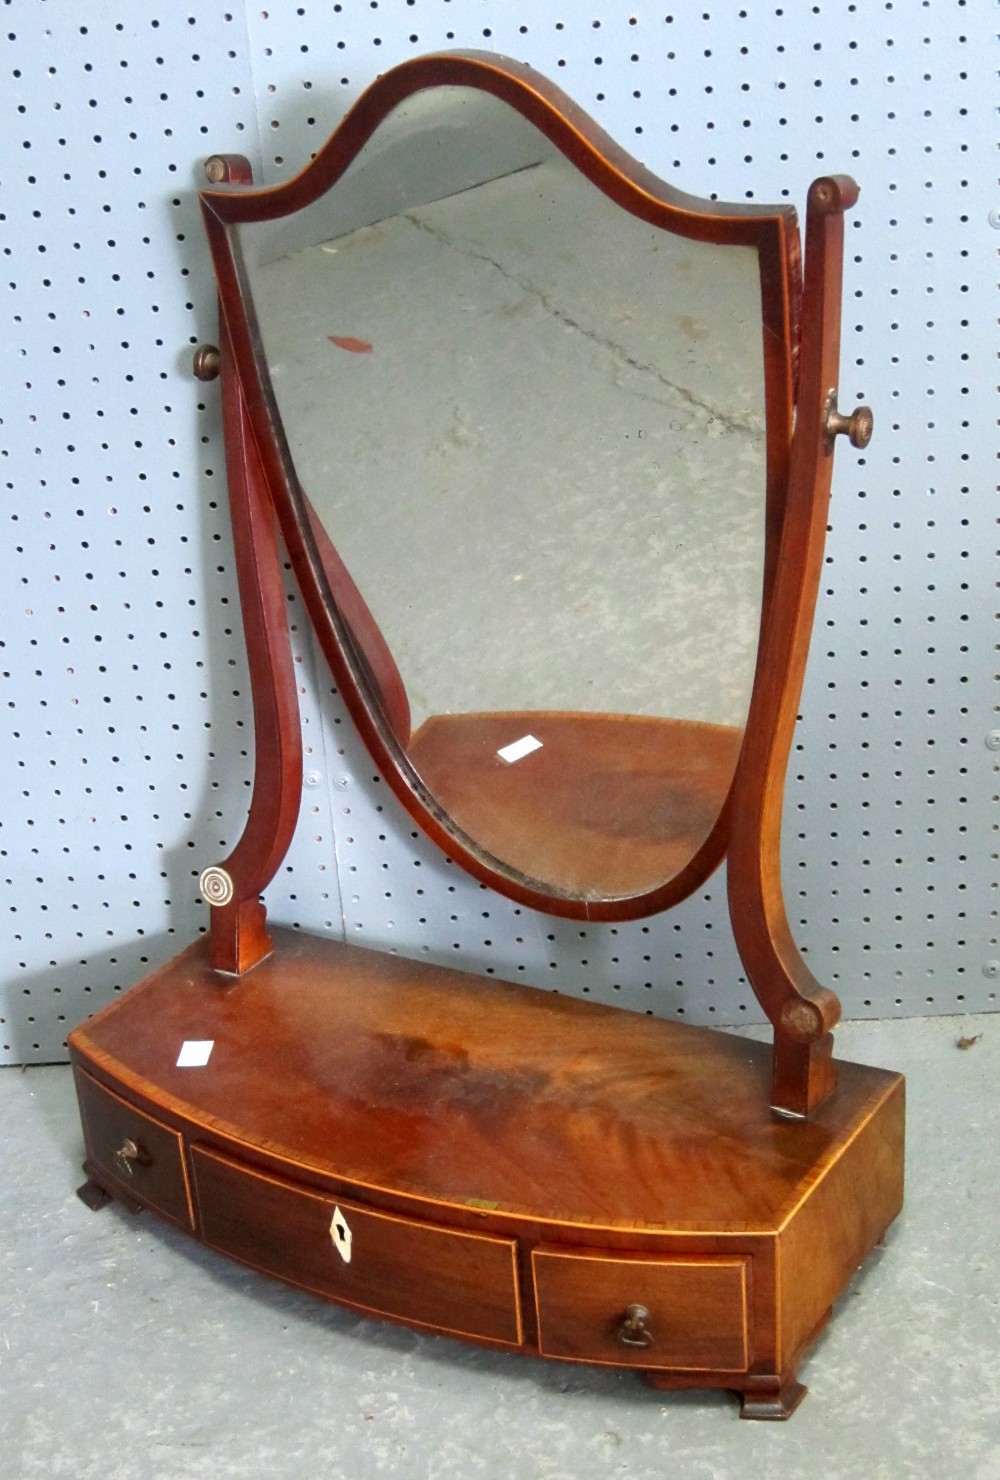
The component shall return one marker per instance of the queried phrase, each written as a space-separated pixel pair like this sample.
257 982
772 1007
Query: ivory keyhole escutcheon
341 1235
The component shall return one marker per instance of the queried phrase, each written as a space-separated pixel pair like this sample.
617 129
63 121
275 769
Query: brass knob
857 427
207 361
215 169
633 1330
131 1154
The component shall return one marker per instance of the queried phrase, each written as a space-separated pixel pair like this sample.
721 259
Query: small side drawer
138 1154
447 1279
695 1310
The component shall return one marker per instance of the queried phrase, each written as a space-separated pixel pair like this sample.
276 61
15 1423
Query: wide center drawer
447 1279
684 1313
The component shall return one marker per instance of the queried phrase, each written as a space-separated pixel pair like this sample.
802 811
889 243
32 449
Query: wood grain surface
462 1283
514 1166
429 1083
609 805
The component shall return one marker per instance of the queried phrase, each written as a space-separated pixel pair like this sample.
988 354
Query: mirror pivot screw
206 362
857 427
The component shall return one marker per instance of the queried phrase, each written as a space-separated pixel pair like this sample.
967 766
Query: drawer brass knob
633 1330
131 1154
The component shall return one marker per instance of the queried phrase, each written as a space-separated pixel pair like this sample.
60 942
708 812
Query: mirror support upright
802 1011
239 938
238 929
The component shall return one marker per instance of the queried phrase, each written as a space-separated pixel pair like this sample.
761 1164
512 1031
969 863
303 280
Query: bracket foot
775 1402
95 1197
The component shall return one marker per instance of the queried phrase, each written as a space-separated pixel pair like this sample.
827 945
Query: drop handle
857 427
633 1330
131 1154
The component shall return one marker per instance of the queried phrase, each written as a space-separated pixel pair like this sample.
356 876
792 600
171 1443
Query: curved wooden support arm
239 938
802 1011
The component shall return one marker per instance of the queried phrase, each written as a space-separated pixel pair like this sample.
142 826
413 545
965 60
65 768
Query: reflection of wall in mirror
437 143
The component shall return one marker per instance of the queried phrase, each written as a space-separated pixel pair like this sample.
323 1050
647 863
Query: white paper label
195 1053
518 749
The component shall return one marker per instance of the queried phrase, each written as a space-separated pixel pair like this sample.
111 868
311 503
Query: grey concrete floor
126 1350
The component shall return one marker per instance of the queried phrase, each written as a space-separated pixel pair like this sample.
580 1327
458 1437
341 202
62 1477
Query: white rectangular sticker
518 749
195 1053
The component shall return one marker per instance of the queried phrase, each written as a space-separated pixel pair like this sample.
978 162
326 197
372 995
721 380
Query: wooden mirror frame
801 332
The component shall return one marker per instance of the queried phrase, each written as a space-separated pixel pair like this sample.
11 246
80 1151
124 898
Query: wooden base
494 1162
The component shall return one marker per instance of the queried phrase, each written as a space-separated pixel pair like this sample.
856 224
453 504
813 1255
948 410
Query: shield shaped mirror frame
349 640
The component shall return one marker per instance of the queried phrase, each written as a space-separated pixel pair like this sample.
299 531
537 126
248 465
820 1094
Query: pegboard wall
127 747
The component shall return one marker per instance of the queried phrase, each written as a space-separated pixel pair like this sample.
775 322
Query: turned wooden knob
857 427
206 362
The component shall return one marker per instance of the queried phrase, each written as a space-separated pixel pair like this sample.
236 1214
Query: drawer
446 1279
134 1151
696 1310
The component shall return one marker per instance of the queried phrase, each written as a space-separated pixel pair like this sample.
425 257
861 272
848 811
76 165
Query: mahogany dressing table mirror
549 446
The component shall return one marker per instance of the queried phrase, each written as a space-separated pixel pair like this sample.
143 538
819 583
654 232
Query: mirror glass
532 425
